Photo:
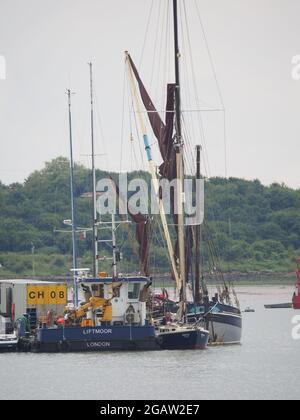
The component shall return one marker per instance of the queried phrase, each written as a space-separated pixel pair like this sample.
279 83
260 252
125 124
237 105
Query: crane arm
93 304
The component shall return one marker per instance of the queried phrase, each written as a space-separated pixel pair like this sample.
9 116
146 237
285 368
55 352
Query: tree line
253 227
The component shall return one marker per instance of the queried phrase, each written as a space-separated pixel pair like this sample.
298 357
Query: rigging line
157 88
101 128
141 168
209 54
200 120
132 150
187 98
219 92
165 66
189 155
216 81
146 33
123 117
155 45
159 239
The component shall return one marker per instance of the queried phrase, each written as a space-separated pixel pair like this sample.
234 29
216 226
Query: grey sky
47 43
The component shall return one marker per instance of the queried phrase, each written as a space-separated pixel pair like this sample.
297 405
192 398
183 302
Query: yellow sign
46 295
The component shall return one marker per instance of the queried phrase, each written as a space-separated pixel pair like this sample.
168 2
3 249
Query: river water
265 366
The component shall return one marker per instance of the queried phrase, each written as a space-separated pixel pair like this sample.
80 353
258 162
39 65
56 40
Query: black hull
95 339
280 306
184 340
9 348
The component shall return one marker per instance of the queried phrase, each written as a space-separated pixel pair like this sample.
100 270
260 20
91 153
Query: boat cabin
128 297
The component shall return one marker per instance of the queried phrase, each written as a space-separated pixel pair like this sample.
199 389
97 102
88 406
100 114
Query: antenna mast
95 230
73 202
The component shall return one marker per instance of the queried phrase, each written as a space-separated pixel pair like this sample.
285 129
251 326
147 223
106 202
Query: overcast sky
47 44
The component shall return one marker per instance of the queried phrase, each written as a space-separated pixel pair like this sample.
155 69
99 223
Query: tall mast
179 163
153 173
95 230
198 273
114 243
73 202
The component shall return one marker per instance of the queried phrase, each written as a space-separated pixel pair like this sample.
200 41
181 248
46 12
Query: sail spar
162 131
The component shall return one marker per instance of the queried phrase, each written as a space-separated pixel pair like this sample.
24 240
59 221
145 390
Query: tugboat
113 313
296 296
113 318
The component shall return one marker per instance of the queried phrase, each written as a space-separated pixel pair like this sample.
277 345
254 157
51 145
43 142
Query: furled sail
162 131
164 134
143 234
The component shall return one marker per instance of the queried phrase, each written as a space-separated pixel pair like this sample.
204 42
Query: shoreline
236 278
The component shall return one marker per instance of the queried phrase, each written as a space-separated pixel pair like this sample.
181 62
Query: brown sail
162 131
164 134
143 234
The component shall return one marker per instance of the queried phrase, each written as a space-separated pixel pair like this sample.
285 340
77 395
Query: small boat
182 337
8 342
279 306
296 296
249 310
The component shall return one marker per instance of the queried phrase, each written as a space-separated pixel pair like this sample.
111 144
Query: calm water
266 366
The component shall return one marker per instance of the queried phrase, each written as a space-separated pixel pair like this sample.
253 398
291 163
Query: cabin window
133 290
98 290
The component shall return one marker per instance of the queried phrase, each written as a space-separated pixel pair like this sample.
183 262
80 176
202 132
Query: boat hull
8 345
91 339
279 306
184 340
225 327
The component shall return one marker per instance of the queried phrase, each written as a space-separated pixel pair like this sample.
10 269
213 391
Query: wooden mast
179 163
198 273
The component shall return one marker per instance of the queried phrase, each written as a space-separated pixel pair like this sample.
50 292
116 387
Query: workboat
249 310
296 296
114 318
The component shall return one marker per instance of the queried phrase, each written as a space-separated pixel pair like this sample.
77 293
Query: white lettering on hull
98 345
97 331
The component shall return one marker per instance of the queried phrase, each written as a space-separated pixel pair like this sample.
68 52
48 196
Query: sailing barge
218 315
